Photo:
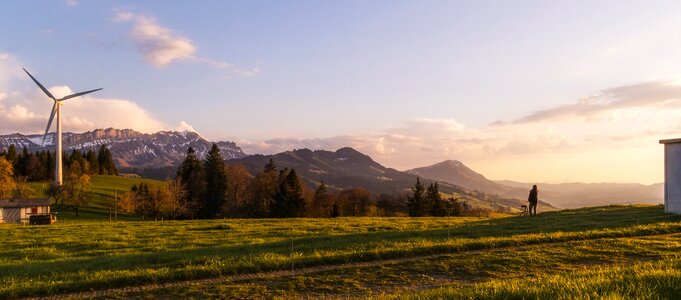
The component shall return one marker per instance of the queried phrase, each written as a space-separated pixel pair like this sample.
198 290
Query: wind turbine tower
56 109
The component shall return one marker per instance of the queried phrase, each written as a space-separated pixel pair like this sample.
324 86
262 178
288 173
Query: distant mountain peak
130 148
450 163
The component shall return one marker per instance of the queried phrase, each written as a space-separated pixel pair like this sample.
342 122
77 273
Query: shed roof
24 202
670 141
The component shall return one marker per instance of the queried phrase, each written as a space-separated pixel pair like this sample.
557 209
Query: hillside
455 172
348 168
102 191
566 195
130 149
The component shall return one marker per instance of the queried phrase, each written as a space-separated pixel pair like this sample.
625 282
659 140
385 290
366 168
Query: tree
76 187
335 211
322 202
93 162
21 189
261 191
105 162
175 206
389 205
457 207
289 201
439 207
7 183
417 202
216 183
12 154
356 202
238 183
270 166
191 174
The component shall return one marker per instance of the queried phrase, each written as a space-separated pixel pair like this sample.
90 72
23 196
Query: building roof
24 202
670 141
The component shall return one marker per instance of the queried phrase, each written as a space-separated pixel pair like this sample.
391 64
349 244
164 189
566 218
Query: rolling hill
565 195
348 168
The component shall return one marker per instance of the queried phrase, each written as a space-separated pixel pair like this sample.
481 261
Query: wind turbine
56 109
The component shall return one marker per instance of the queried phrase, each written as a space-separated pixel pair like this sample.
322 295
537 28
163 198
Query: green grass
46 260
102 191
536 271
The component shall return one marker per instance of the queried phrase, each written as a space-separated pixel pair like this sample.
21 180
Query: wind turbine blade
40 85
78 94
49 123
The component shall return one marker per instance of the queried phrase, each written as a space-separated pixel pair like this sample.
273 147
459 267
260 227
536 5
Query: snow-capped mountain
129 148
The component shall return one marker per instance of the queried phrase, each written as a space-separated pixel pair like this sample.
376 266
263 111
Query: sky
532 91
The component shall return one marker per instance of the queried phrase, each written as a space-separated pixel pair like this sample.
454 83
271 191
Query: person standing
533 199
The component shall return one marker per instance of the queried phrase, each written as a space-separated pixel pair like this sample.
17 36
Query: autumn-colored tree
237 189
322 202
356 202
76 187
7 183
261 190
175 205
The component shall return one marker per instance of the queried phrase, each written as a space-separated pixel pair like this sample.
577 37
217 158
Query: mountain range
348 168
130 149
157 154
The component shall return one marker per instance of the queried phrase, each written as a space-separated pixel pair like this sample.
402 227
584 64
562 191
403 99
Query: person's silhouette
533 199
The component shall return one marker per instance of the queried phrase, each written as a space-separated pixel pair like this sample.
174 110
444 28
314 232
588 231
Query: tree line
40 165
210 188
17 168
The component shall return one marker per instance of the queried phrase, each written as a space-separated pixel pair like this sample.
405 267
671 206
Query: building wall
672 176
17 215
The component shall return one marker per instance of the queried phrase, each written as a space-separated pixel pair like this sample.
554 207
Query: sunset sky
535 91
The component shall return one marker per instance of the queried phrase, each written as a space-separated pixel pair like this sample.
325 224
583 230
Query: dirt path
307 270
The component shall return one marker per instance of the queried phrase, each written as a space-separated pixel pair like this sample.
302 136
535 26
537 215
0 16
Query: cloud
162 46
9 68
29 112
602 137
72 3
184 126
650 94
159 45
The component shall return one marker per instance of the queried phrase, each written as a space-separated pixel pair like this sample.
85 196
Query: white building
19 210
672 176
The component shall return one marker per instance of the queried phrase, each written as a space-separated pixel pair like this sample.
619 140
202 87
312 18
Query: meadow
499 256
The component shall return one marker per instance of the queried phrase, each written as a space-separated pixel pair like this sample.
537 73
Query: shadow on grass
362 246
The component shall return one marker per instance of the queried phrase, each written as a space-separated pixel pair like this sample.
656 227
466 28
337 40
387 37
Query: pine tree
417 201
270 166
289 201
216 183
105 161
93 162
439 207
12 154
193 178
322 201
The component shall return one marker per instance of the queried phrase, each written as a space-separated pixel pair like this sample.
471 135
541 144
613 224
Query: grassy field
102 191
481 257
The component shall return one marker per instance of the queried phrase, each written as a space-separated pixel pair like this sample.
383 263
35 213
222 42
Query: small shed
19 210
672 176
